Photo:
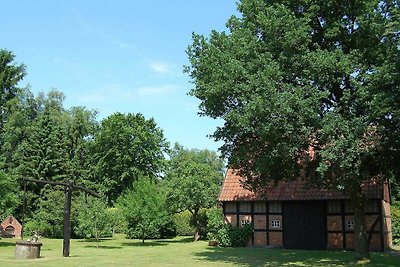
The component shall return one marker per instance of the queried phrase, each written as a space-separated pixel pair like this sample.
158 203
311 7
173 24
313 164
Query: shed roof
233 190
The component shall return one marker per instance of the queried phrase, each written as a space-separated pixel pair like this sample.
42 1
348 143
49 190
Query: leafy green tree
81 126
145 210
11 74
117 222
126 146
292 77
192 180
93 219
9 195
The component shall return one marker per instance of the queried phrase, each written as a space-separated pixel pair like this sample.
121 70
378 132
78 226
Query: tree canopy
305 83
11 74
125 147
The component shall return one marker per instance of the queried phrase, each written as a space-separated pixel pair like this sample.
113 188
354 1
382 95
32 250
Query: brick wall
9 223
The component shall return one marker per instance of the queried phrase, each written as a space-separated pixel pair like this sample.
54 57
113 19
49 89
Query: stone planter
27 250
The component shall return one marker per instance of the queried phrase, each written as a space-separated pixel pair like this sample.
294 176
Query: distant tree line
125 157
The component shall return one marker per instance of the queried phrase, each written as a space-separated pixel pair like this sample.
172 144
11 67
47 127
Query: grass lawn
180 252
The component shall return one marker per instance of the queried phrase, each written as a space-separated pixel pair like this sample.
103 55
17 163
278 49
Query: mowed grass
181 251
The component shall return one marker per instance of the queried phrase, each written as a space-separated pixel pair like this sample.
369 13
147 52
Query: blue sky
121 55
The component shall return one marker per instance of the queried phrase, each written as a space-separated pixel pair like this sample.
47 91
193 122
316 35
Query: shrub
229 236
40 227
182 223
214 223
395 212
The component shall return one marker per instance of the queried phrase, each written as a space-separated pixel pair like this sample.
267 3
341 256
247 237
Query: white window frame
275 223
244 222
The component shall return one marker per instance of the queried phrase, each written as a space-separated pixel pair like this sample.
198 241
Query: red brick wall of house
11 221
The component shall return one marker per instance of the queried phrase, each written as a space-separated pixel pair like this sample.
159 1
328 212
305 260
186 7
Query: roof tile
233 190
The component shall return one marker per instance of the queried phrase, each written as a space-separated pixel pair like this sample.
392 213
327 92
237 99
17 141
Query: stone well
27 250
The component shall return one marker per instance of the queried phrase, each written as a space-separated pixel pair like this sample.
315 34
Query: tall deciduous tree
125 147
192 180
295 75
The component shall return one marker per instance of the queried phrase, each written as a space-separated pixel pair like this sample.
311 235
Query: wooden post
67 220
23 211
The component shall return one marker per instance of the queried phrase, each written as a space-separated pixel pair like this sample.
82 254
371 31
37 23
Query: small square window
350 224
275 224
244 222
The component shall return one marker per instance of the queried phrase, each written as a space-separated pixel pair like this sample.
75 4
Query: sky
117 56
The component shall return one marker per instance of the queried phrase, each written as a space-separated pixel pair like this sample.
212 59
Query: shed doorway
304 225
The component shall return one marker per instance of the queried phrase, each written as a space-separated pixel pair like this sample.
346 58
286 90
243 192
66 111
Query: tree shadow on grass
176 240
145 244
253 257
7 244
93 240
103 247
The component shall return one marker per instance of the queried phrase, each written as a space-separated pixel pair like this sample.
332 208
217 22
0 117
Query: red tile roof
233 190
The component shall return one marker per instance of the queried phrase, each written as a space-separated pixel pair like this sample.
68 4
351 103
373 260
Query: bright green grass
180 252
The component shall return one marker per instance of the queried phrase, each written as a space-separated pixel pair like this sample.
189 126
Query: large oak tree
298 75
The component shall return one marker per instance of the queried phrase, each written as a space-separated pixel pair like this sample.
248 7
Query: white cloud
160 67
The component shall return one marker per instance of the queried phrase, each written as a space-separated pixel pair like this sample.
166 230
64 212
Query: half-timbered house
292 215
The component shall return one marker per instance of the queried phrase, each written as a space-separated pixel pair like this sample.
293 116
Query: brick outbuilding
292 215
10 227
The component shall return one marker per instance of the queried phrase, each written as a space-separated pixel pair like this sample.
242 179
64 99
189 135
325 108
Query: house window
275 223
244 222
350 225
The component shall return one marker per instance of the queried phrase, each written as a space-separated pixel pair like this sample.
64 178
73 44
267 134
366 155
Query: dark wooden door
304 225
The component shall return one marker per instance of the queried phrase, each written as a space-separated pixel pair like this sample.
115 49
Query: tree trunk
360 229
196 225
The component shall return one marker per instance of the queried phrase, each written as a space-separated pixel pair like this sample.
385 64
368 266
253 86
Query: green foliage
45 149
10 74
192 182
93 219
9 196
48 219
116 220
145 210
182 223
229 236
215 222
125 147
293 75
395 213
39 227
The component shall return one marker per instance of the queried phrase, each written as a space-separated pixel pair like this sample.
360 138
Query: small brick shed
292 216
10 227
